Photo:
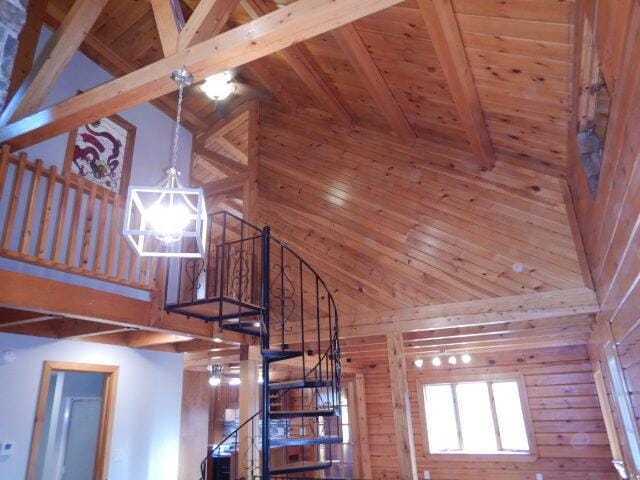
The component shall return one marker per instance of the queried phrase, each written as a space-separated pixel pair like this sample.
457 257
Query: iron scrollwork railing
254 284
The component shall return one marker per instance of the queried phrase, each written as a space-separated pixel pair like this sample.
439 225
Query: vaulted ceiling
519 53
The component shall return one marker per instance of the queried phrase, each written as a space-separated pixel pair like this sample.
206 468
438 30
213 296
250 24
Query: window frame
530 456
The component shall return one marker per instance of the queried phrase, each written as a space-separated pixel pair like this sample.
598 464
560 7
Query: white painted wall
151 156
146 432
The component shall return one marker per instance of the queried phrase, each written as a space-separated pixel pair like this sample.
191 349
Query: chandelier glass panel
168 220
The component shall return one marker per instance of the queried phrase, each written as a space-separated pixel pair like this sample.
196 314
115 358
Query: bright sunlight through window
475 418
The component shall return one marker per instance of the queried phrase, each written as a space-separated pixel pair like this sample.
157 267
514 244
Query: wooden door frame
103 448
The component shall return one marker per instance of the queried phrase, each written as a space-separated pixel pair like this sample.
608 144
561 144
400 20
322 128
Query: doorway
73 425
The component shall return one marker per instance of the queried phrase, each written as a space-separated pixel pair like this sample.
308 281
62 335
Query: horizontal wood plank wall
392 226
568 425
610 222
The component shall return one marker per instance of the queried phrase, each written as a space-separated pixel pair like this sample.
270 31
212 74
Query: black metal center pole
266 301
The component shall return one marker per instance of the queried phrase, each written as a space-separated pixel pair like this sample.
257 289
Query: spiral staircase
253 284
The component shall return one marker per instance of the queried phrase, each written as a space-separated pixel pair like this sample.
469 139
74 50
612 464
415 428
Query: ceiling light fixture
436 361
219 86
466 358
158 219
452 360
418 362
215 375
235 381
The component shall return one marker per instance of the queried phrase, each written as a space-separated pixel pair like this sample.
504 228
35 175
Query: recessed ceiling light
452 360
466 358
436 361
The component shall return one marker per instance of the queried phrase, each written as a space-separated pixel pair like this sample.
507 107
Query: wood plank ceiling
518 50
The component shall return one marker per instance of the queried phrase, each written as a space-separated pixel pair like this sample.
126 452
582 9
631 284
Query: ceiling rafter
167 105
351 43
164 11
266 35
207 20
447 41
53 60
304 65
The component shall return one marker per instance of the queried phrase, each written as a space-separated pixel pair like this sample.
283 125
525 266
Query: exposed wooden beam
52 62
249 405
294 23
301 61
402 421
447 42
500 310
27 44
207 20
232 149
352 44
164 11
363 428
123 66
74 329
225 164
147 339
225 185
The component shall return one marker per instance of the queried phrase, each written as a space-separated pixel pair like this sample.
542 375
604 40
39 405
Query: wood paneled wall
390 226
610 221
567 421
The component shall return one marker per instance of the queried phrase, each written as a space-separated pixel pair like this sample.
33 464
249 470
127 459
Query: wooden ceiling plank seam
445 35
258 38
351 43
207 20
301 61
53 60
167 24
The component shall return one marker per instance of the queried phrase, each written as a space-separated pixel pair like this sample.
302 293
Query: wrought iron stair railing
254 284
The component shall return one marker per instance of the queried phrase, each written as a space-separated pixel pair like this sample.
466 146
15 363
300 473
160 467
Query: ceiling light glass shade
166 221
453 360
418 362
436 361
218 87
466 358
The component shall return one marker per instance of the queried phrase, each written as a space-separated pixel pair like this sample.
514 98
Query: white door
81 443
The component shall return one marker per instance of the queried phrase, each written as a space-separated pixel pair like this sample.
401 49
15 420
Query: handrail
76 229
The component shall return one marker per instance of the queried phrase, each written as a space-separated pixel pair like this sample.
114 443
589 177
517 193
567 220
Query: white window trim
507 456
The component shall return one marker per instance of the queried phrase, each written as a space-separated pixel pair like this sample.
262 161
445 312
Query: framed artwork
101 152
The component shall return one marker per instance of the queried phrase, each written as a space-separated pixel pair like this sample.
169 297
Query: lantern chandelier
168 220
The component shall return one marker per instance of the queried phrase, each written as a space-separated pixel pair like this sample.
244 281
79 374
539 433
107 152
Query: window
487 417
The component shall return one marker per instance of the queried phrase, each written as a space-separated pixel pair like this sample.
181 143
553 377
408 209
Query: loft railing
66 223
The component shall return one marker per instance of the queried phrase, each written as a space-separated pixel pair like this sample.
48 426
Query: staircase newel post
266 300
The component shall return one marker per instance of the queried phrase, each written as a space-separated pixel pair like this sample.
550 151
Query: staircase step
249 328
304 413
299 467
300 384
276 355
297 442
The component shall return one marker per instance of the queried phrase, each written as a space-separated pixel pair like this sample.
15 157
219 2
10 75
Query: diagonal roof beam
164 11
53 60
447 42
352 44
301 61
268 34
207 20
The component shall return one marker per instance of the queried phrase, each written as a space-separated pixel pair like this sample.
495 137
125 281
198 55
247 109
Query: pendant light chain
174 158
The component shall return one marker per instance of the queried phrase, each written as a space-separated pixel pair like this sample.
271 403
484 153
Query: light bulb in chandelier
215 375
219 86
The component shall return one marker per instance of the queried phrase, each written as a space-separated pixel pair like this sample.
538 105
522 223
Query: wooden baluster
122 259
144 266
133 266
32 205
62 216
75 221
102 225
4 166
115 227
43 234
88 227
13 205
